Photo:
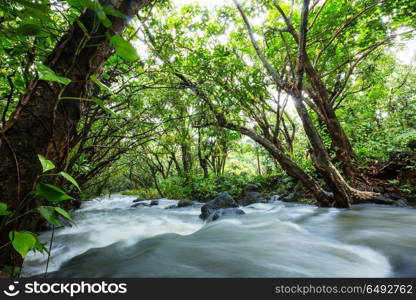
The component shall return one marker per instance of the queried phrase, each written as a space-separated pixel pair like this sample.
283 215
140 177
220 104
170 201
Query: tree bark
43 124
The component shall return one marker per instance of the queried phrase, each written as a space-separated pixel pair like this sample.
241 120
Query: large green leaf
22 241
123 48
51 193
47 74
46 164
49 213
70 179
3 209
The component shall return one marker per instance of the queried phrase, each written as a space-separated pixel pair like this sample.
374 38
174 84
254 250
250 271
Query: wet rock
223 200
140 204
138 200
395 196
274 198
383 200
412 145
219 213
251 195
291 197
401 203
379 189
185 202
171 206
154 202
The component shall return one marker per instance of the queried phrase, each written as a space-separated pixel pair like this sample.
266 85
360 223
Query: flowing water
277 239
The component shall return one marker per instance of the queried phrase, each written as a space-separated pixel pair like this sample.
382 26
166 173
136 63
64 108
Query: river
111 239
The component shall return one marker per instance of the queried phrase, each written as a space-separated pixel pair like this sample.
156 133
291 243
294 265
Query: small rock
395 196
383 200
398 155
154 202
138 200
140 204
292 197
412 144
171 206
274 198
378 189
401 203
185 202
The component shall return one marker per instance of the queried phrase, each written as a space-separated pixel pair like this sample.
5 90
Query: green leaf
123 48
63 213
103 18
101 104
29 29
99 83
48 212
70 179
46 164
22 241
111 11
51 193
3 209
47 74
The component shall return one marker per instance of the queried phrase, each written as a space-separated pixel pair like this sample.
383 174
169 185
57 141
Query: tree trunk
340 142
288 165
43 124
344 195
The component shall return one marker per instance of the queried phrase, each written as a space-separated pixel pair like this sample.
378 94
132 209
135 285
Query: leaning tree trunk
43 124
344 195
340 142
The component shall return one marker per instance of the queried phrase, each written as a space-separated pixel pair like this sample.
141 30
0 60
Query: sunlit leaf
47 74
3 209
46 164
123 48
22 241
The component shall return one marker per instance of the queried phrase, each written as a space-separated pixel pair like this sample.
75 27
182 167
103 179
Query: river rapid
111 239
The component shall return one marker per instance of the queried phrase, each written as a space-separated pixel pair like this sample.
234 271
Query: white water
271 240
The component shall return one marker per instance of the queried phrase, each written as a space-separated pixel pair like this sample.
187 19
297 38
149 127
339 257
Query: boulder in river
251 195
225 212
138 200
185 202
223 200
